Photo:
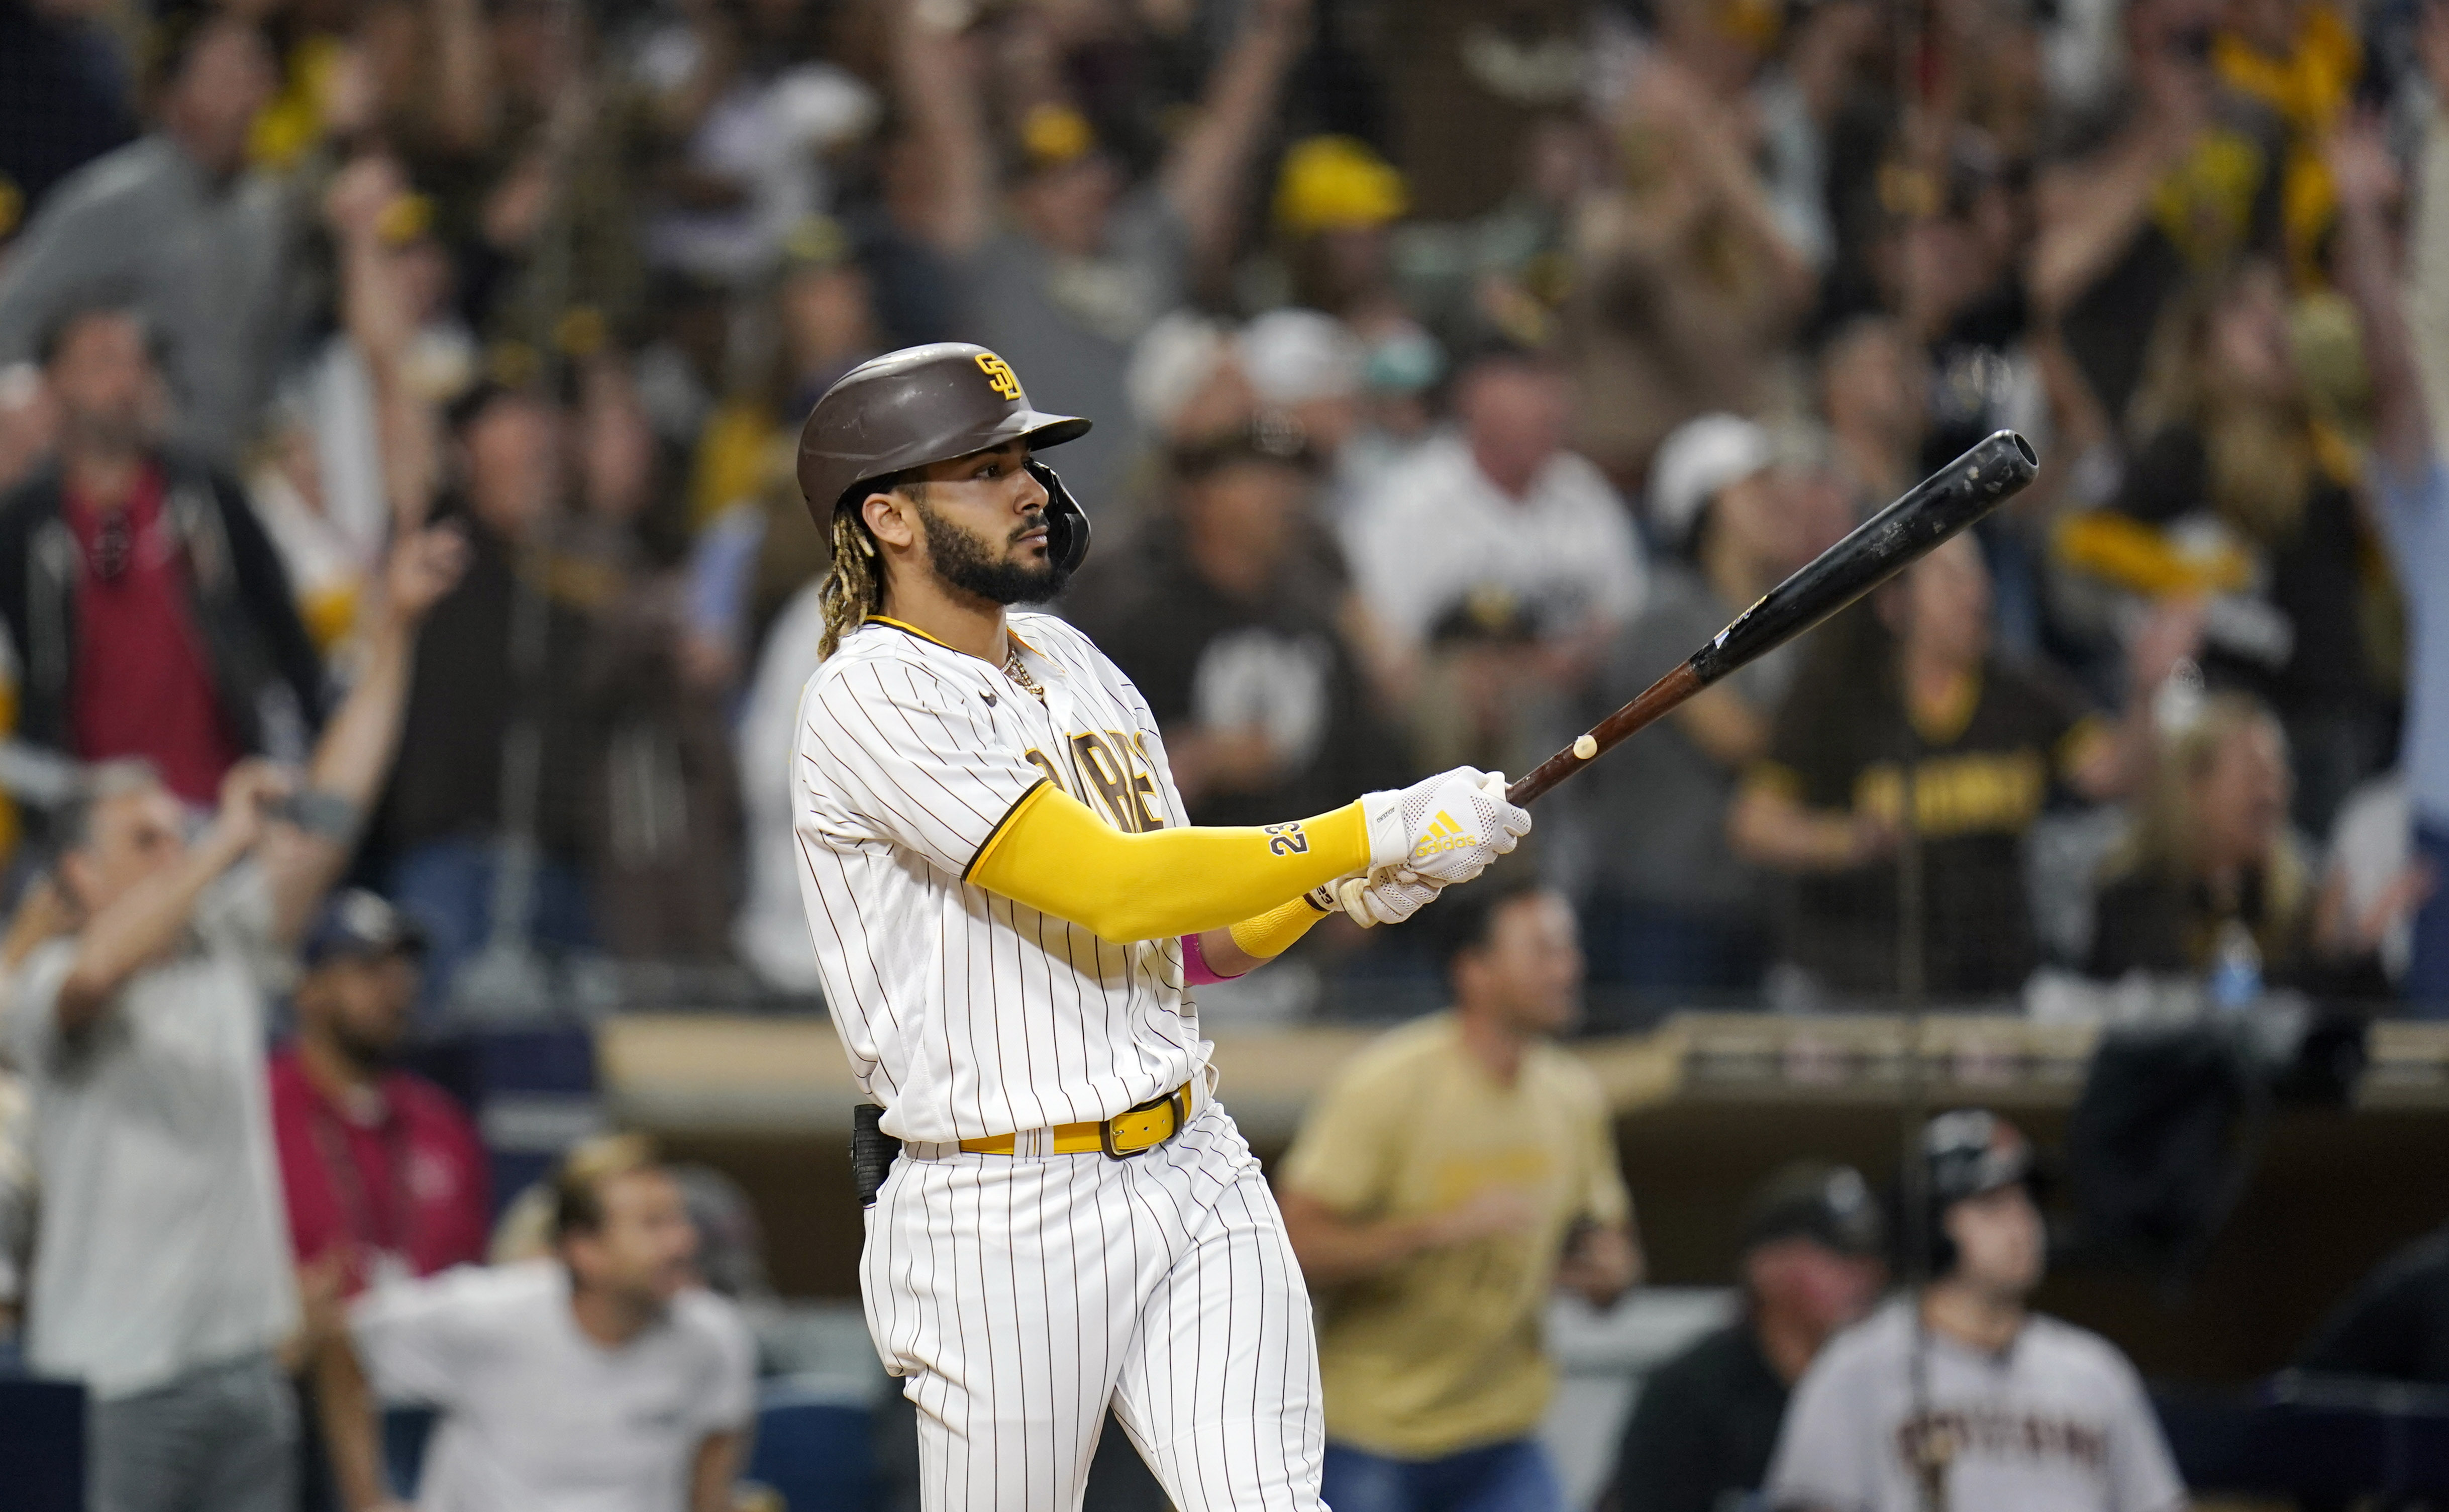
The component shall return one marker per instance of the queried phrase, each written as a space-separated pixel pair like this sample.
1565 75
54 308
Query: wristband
325 816
1195 970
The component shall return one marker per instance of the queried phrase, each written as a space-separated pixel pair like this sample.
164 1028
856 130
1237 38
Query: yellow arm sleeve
1272 933
1054 855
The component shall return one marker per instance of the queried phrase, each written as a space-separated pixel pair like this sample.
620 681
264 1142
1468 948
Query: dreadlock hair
854 587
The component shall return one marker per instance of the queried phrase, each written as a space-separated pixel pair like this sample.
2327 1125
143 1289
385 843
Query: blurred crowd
1457 370
404 393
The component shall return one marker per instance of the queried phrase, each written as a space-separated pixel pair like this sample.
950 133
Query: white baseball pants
1020 1294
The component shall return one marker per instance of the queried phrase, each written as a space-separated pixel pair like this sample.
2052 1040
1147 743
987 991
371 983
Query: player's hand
1386 897
2362 168
322 1298
2170 635
423 567
2432 47
250 791
1867 836
1446 829
1601 1265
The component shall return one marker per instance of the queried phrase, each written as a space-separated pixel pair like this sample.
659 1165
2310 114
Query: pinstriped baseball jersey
967 1014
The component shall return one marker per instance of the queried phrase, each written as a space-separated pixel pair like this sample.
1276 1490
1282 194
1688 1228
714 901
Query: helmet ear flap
1067 523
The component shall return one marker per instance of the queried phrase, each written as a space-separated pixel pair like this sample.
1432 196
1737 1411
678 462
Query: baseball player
1009 912
1959 1398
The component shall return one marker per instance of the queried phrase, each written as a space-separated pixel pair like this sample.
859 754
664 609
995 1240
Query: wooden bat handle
1602 737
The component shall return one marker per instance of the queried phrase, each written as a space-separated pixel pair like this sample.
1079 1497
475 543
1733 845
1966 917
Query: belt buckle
1140 1125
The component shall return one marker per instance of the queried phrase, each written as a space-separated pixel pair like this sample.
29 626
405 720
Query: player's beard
965 560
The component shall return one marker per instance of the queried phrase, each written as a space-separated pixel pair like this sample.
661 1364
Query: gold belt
1134 1131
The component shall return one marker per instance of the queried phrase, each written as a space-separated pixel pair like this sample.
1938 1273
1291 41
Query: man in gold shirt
1457 1170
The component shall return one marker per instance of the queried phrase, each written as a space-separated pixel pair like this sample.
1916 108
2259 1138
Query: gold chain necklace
1014 670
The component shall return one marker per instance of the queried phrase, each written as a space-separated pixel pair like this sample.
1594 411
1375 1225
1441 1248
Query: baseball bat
1992 472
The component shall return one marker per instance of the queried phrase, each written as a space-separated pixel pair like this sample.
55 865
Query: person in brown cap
1009 908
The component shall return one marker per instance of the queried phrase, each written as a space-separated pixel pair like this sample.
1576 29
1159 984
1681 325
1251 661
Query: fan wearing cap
1229 626
1962 1388
1812 1264
1736 511
1063 265
382 1170
1008 906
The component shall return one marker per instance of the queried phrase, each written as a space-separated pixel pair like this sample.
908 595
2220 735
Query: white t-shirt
1436 532
2058 1423
2370 843
966 1014
771 931
538 1416
162 1244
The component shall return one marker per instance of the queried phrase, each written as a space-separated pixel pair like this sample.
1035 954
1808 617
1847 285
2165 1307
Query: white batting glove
1447 828
1380 897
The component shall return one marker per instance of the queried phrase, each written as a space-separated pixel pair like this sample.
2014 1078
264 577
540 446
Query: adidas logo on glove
1443 835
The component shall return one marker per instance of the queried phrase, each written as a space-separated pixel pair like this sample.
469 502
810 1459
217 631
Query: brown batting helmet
928 404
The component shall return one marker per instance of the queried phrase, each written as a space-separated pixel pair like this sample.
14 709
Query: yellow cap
1754 23
1053 135
581 331
404 220
1337 183
513 365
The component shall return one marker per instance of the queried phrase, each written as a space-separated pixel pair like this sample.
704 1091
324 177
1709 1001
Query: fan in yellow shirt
1461 1168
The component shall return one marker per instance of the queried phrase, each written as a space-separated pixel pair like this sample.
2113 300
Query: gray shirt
1662 792
162 1245
2058 1423
1068 325
205 263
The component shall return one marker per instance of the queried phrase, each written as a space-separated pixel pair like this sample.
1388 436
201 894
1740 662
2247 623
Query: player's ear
890 519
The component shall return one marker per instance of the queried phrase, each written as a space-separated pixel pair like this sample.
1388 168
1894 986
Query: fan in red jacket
378 1163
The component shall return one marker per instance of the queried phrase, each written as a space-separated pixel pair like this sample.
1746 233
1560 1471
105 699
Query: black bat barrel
1996 469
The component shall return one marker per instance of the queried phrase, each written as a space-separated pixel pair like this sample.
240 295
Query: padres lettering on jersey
967 1014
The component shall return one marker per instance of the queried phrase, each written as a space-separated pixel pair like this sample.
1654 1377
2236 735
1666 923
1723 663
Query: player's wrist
1272 933
1389 838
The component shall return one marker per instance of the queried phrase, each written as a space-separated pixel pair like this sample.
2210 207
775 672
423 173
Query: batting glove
1382 898
1446 830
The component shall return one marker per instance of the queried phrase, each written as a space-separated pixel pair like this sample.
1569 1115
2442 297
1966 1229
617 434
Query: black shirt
63 104
1203 658
1701 1437
2144 920
1839 742
462 700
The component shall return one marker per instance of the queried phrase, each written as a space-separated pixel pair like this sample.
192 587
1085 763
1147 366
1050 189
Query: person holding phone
162 1276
